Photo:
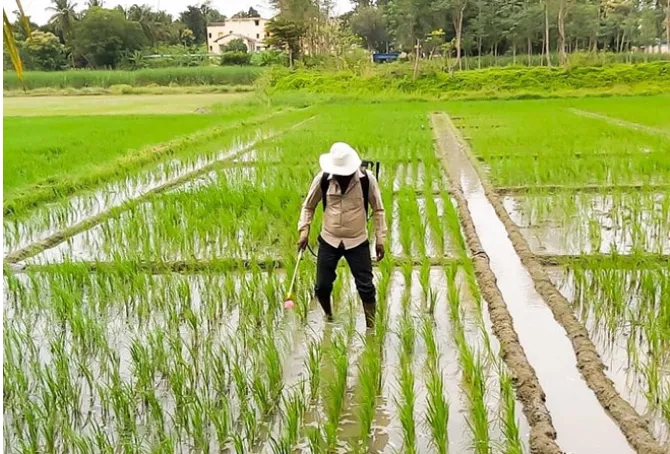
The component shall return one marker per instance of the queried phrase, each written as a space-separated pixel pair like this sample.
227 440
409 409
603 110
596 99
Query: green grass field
116 105
648 111
46 157
50 148
566 148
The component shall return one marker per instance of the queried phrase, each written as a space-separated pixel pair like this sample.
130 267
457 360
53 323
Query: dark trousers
360 265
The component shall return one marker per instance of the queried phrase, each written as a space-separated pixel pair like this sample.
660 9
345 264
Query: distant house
251 30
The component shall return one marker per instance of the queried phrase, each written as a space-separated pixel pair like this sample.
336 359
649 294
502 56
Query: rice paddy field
143 299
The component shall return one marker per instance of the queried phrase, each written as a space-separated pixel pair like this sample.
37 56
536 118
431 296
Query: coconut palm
64 17
146 19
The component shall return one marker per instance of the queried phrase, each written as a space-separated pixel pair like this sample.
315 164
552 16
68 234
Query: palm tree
64 17
94 3
146 19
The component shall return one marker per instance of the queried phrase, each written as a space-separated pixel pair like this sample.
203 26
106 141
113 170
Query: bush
269 58
236 45
43 52
235 58
398 77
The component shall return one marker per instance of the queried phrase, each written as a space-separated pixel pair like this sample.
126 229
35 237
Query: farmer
341 186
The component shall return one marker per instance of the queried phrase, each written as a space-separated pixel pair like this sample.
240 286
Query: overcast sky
37 9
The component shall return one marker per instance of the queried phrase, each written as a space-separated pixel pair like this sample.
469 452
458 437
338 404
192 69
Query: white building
249 29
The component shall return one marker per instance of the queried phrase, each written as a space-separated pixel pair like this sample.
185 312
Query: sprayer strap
365 187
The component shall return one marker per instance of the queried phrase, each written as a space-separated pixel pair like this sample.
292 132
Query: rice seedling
437 412
405 403
334 388
369 383
314 368
509 422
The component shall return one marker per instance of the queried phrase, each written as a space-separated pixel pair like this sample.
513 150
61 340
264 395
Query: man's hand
380 251
304 240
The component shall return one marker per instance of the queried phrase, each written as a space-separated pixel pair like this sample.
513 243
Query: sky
37 9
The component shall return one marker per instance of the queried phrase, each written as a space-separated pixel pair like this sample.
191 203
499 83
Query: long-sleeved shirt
344 219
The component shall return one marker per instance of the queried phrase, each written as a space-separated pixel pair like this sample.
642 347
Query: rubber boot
369 309
325 305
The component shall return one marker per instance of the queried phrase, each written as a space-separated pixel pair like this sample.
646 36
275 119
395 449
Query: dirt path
90 222
620 122
589 364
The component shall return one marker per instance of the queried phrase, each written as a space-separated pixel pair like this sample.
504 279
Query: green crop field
144 299
115 105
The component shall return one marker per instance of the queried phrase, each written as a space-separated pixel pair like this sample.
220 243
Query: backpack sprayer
372 166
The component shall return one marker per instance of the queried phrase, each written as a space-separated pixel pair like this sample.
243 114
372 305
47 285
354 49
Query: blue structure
384 58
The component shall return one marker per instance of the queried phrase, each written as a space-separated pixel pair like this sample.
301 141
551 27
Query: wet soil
613 350
589 364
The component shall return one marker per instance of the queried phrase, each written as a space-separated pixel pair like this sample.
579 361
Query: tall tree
194 20
103 36
369 23
285 34
63 18
250 13
667 25
143 15
563 10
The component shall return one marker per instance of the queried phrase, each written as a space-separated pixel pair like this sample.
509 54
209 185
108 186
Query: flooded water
593 223
614 350
573 406
48 221
52 218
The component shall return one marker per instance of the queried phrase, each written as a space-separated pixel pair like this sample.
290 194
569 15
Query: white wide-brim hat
341 160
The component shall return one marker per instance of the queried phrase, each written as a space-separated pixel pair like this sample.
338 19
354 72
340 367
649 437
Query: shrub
236 45
235 58
43 52
398 77
269 58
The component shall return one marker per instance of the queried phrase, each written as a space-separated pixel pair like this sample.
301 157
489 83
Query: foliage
398 77
186 37
235 58
236 45
63 19
284 34
370 24
43 52
102 36
196 18
269 58
251 12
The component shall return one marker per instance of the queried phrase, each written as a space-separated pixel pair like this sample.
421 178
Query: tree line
551 28
103 37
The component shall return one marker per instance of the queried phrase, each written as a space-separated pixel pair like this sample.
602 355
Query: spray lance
289 303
